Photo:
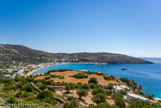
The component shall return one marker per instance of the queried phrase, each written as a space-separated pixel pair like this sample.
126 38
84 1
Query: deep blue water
148 75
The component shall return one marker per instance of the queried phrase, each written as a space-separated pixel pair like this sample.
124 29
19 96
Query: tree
97 90
134 87
68 88
82 92
11 100
85 86
81 75
109 86
108 92
72 86
92 85
142 104
72 102
93 80
45 94
99 98
50 82
28 88
120 102
51 89
42 87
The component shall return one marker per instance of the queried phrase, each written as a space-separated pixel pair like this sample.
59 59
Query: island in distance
19 53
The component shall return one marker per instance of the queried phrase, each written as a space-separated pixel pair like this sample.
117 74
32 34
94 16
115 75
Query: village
22 70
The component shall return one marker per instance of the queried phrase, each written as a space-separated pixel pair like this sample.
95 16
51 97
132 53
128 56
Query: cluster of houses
14 71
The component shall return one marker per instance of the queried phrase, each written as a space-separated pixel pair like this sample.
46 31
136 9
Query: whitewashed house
130 96
119 88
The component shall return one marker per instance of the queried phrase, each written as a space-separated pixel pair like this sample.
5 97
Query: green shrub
92 85
8 81
99 98
45 94
29 79
109 86
54 76
141 104
120 102
19 79
97 90
107 78
51 89
50 82
70 98
72 86
115 95
82 92
51 101
8 88
108 92
61 77
78 86
72 102
11 100
28 88
42 87
18 94
85 86
47 78
81 75
67 87
93 80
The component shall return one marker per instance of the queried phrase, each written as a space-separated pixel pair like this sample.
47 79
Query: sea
147 75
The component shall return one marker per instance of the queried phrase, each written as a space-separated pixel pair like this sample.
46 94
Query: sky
131 27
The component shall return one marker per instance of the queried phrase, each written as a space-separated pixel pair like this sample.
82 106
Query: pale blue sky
131 27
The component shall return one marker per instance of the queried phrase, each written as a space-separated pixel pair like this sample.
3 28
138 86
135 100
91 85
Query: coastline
33 71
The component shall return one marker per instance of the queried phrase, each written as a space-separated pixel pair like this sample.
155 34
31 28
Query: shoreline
33 71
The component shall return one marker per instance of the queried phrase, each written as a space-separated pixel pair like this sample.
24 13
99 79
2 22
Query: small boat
123 68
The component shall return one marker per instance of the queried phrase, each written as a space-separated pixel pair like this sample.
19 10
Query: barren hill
19 53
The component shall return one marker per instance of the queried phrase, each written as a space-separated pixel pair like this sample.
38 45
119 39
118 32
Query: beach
31 72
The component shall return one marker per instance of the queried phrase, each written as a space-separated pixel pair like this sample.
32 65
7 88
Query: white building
21 72
7 75
119 88
130 96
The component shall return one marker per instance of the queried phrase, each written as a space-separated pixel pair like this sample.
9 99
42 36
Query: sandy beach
30 73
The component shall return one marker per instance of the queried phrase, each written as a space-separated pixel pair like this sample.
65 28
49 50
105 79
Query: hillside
18 53
74 89
108 58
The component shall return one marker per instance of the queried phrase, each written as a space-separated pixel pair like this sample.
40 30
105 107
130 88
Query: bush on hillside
80 75
82 92
99 98
97 90
92 85
109 86
93 80
85 86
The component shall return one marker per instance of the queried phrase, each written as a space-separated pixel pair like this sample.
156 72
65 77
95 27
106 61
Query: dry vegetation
68 78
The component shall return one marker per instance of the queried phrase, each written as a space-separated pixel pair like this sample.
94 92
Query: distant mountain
18 53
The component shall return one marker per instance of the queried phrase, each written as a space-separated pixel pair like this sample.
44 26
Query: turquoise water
148 75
